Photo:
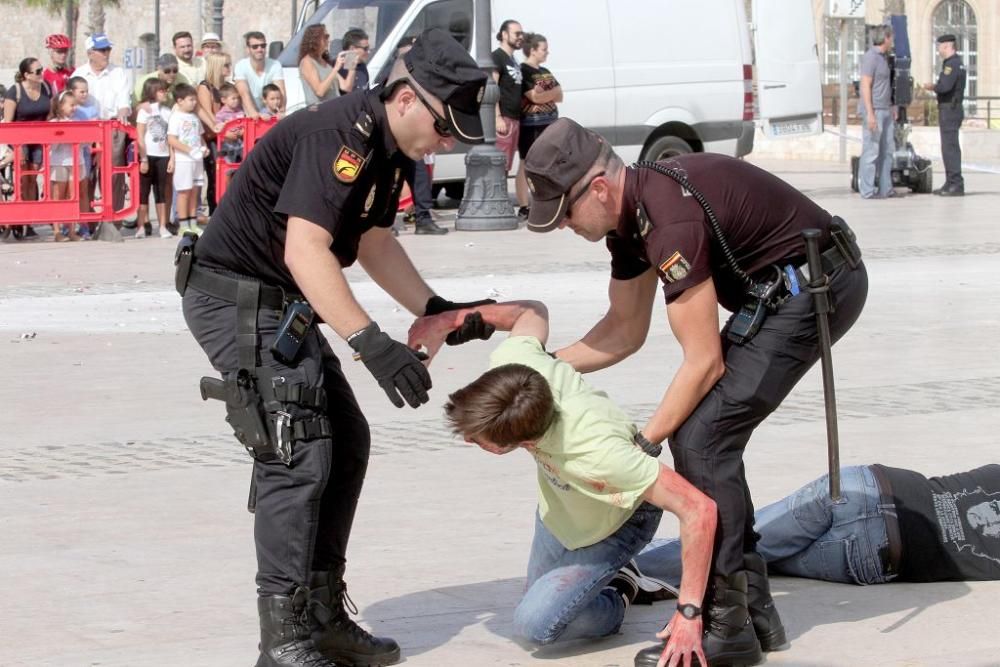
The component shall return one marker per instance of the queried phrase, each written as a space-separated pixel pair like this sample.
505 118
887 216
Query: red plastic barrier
97 137
252 131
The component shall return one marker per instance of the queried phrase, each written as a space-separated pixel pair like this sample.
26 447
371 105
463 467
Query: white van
655 77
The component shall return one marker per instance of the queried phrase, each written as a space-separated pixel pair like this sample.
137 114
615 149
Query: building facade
976 23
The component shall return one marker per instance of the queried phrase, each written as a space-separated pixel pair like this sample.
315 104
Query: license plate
795 126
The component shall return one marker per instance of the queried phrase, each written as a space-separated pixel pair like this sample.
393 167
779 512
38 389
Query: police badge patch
675 267
348 165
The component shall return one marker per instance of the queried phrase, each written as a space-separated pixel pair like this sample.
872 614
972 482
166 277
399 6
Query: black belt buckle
183 260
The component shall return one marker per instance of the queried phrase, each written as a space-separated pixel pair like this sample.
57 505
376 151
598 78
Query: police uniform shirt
334 164
662 226
950 86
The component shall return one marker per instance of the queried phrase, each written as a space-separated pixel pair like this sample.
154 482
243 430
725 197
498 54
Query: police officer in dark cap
713 231
316 194
950 91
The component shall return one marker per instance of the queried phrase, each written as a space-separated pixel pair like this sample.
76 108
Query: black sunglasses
440 122
258 46
579 195
36 72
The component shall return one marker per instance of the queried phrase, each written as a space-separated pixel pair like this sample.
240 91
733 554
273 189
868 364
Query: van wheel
455 190
667 147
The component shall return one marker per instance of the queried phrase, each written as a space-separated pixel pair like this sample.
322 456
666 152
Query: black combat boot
336 635
728 637
763 613
285 634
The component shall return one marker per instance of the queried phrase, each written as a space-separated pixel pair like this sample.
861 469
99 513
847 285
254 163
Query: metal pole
295 17
486 204
156 29
843 90
819 287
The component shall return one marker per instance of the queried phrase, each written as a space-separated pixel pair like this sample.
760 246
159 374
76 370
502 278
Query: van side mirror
274 49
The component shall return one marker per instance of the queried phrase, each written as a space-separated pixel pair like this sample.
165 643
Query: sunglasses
440 122
366 49
106 49
36 72
579 195
257 46
170 70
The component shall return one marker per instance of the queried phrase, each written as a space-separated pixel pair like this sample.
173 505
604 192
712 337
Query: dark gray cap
559 158
166 60
946 38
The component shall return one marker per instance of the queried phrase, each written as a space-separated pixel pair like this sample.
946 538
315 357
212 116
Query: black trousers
708 447
304 512
949 122
422 188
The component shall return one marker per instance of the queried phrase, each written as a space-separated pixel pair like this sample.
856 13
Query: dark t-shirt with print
509 83
334 164
762 218
949 525
537 114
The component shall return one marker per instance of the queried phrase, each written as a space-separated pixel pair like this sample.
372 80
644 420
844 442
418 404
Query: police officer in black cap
316 194
950 90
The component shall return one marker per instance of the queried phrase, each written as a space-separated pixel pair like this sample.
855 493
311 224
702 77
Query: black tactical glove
645 445
474 327
396 367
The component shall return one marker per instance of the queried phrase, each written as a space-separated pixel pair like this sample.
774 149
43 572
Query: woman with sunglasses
29 99
321 79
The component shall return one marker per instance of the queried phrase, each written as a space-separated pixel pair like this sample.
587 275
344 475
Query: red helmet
57 41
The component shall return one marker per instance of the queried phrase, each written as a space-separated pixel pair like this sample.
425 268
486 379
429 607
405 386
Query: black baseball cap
946 38
559 158
446 70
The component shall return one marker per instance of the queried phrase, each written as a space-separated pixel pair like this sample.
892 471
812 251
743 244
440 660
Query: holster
183 259
846 242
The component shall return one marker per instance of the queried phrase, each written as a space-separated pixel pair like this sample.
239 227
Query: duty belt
227 288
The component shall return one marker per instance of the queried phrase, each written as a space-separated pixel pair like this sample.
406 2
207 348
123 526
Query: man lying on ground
892 525
600 495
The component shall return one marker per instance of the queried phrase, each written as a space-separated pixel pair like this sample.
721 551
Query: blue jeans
877 148
566 596
808 535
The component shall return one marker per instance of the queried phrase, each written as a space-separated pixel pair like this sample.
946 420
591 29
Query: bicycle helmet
57 41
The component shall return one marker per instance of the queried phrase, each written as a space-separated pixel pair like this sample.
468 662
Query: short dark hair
508 405
253 34
269 88
353 37
183 90
151 87
75 81
531 42
229 89
180 35
504 26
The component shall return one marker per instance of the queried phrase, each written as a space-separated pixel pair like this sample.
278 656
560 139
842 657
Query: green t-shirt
591 476
137 89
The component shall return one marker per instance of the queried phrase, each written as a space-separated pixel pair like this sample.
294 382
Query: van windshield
375 17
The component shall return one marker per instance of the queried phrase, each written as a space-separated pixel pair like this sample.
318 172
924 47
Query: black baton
819 287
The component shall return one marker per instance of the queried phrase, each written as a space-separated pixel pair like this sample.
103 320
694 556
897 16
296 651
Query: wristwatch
689 611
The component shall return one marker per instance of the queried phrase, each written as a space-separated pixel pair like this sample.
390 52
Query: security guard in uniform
317 193
950 90
715 231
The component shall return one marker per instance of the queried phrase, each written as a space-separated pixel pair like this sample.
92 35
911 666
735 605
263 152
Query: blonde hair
215 64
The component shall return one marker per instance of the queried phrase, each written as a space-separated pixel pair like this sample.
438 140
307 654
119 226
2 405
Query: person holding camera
321 79
354 66
318 193
750 260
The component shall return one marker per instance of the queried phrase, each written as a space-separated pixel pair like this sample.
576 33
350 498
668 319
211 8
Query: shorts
156 179
32 153
188 174
528 135
507 143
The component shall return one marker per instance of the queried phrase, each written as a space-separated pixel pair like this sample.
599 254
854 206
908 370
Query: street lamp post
486 205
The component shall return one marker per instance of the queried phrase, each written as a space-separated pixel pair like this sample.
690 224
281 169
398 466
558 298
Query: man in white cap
210 43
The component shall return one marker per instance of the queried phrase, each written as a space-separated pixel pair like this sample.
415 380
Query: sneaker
648 589
140 232
165 233
522 212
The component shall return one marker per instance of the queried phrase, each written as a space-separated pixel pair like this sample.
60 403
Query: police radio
292 332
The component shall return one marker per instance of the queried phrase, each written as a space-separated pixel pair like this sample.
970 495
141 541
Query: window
455 16
831 48
957 18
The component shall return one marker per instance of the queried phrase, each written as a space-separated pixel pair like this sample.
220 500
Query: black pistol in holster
245 413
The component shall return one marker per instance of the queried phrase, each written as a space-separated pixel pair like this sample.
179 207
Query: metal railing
980 111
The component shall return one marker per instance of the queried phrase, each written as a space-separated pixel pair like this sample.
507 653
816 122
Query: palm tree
69 9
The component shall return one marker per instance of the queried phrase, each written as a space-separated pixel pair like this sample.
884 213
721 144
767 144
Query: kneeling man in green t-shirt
600 495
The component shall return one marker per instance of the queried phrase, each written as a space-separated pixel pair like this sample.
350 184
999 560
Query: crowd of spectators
252 87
